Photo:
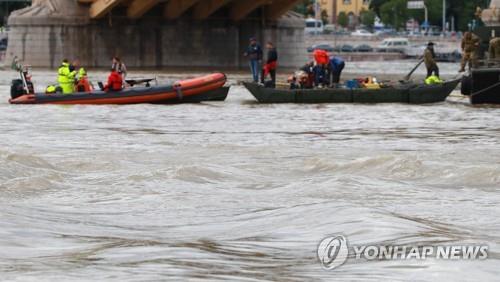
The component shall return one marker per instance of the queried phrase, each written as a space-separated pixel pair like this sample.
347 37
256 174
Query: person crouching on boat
430 61
321 60
303 78
270 66
83 84
66 77
115 82
336 66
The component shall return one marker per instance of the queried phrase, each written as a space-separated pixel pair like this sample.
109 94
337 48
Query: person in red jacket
321 60
115 82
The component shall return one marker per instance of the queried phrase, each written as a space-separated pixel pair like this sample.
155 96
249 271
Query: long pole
426 19
444 17
315 17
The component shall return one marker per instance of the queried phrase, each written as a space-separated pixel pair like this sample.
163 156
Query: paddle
407 77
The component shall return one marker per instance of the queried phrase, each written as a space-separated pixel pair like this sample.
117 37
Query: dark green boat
409 93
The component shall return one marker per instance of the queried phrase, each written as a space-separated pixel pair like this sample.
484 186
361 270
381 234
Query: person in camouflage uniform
470 45
430 61
494 50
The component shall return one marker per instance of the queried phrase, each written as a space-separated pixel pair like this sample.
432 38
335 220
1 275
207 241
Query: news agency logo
333 252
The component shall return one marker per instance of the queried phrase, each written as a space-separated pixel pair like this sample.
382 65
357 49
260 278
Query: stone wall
151 42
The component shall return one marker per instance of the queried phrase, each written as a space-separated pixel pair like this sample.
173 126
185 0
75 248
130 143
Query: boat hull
410 94
191 89
485 86
217 95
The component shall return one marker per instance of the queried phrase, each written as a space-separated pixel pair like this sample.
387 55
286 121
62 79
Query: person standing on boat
271 64
119 67
115 82
470 44
430 61
66 77
494 49
337 65
254 54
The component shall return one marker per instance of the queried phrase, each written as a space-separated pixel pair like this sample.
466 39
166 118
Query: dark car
325 47
346 48
364 48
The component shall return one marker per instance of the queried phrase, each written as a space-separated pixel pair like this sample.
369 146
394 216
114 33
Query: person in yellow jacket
66 77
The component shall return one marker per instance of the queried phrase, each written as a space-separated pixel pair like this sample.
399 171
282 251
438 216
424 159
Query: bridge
236 10
154 33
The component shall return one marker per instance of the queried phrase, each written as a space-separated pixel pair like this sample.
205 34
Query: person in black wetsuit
271 65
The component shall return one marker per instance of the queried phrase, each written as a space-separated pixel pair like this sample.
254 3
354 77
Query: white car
393 45
362 32
314 26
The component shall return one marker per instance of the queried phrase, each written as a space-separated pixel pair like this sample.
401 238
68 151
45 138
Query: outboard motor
17 88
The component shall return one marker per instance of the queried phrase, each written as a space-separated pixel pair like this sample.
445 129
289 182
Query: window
347 2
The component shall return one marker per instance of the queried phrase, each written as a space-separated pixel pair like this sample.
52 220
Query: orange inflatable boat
173 93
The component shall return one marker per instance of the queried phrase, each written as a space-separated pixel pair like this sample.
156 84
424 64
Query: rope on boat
486 89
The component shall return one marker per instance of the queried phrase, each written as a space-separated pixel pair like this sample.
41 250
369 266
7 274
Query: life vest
321 57
51 89
83 85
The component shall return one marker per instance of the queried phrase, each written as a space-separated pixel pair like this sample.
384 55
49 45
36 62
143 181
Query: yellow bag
433 80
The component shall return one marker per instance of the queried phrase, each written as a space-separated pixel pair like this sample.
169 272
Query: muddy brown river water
238 191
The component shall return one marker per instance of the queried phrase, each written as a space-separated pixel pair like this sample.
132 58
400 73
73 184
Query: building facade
352 8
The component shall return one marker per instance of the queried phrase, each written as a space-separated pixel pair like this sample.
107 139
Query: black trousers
433 69
272 74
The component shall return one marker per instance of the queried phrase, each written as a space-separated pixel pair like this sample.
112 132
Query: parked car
362 32
326 47
346 48
393 45
364 48
314 26
386 32
415 51
329 29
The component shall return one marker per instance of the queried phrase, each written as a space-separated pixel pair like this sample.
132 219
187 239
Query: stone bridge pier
154 33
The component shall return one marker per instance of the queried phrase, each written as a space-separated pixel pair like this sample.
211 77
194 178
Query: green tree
368 18
394 13
375 6
435 9
305 7
343 19
462 10
324 16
